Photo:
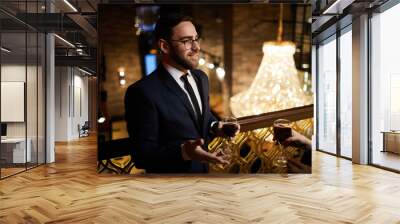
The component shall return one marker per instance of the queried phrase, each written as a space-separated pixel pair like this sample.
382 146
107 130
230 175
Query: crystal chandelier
276 85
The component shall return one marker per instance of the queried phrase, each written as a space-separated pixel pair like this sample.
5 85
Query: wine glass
282 131
229 128
226 149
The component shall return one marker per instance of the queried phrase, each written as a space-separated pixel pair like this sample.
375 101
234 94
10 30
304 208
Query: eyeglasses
188 43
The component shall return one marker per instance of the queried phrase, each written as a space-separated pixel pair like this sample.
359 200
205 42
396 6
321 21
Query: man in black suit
167 113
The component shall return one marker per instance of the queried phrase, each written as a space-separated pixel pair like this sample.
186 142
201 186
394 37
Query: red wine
229 129
281 133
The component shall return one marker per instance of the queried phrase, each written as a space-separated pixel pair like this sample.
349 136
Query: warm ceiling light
220 73
122 82
65 41
121 74
305 66
211 66
5 50
70 5
337 7
202 61
84 71
101 120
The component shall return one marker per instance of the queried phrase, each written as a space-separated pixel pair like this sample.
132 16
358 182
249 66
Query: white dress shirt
176 74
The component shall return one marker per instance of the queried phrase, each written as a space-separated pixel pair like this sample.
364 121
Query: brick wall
211 21
119 45
252 26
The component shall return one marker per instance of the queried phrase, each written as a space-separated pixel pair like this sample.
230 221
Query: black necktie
192 96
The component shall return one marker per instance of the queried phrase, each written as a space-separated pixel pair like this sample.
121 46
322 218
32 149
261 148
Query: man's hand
226 129
192 150
297 140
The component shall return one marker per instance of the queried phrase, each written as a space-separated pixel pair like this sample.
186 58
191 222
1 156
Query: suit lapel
201 87
176 89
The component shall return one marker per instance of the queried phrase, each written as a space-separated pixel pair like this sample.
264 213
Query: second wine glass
282 131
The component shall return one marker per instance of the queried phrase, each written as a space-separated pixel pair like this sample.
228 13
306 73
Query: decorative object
276 85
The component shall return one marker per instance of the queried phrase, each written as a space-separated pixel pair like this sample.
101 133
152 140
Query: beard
185 63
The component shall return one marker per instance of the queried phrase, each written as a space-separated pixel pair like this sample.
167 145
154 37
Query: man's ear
164 46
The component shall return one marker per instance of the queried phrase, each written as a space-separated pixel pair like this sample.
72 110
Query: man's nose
195 46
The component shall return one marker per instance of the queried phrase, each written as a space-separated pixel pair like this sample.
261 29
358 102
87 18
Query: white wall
61 103
13 73
17 73
33 126
71 94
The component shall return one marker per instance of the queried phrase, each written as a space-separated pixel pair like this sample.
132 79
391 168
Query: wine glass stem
230 142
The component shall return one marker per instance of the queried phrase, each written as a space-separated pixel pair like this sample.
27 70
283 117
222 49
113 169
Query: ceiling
73 20
76 24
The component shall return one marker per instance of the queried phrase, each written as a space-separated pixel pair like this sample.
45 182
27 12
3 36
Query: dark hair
166 23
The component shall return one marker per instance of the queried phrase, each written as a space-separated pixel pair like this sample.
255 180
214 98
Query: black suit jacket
160 118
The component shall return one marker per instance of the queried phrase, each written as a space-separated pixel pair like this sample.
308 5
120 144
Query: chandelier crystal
276 85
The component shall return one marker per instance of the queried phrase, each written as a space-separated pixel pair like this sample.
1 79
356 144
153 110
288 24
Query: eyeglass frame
191 41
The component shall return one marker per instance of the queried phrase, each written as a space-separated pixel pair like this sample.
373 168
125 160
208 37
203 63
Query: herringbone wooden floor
70 191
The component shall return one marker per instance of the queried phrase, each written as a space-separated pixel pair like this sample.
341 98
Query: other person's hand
298 140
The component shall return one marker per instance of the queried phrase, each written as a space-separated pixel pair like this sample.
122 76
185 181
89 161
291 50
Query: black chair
84 130
109 152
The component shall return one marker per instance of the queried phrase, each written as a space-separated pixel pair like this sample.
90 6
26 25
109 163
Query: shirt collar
174 72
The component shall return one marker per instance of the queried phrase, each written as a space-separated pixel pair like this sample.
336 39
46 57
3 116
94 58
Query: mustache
194 50
193 53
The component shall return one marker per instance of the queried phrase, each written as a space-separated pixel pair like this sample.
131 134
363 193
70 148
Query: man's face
184 54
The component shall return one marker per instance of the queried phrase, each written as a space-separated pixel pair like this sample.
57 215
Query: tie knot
184 77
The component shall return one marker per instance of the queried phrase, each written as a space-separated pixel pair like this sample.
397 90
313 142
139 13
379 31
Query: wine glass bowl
229 128
281 131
